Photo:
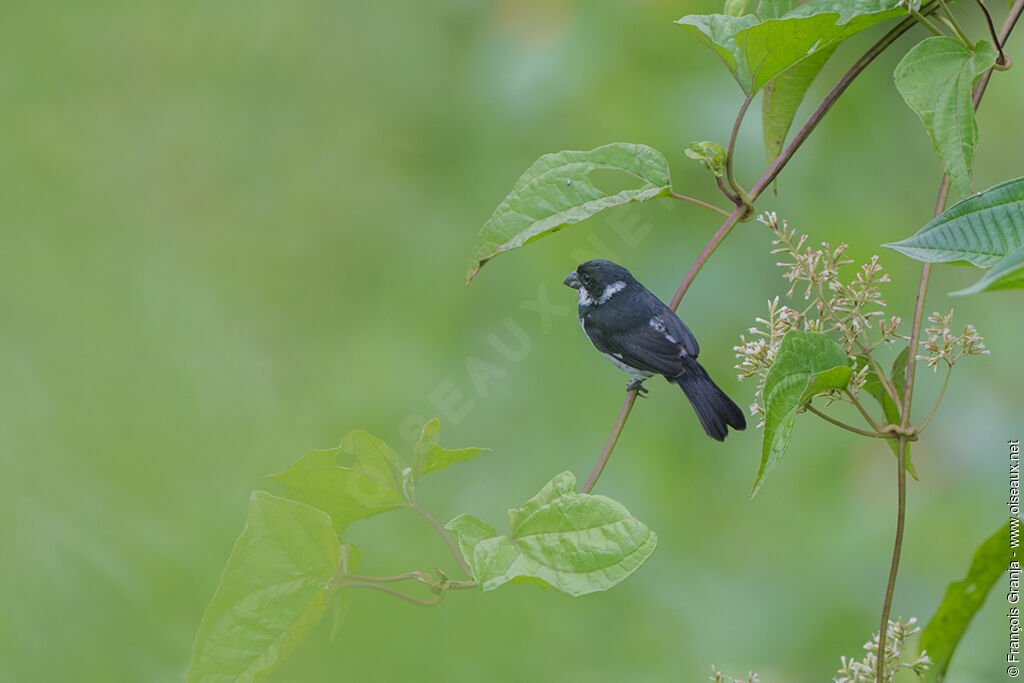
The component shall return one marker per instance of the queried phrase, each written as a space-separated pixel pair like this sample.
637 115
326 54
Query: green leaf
709 155
986 229
782 97
556 191
964 598
982 229
574 542
1006 274
936 78
756 49
429 457
806 364
365 485
273 592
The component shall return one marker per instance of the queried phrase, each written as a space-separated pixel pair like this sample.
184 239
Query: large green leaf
273 592
351 482
759 48
575 542
364 476
806 364
782 97
936 78
556 191
986 229
1005 274
964 598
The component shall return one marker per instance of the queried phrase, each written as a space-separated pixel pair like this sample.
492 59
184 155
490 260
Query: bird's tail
714 409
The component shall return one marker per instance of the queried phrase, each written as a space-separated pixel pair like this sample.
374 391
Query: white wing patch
610 291
659 326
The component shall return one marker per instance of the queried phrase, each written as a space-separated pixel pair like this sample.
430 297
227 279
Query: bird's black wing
656 344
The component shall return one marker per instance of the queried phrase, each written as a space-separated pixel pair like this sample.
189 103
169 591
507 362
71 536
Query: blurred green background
234 231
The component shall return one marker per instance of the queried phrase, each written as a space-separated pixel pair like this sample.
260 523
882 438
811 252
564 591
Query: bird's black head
598 280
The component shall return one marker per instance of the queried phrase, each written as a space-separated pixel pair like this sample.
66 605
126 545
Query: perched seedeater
644 337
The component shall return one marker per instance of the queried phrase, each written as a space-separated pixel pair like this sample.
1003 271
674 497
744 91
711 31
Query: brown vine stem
992 32
444 537
737 213
729 153
838 423
908 387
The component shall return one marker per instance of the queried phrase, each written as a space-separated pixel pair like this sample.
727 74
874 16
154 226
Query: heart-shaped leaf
806 364
574 542
272 593
936 79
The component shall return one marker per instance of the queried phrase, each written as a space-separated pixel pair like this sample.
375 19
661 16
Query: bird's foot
638 386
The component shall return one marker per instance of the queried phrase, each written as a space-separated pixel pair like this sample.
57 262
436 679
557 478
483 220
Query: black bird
644 337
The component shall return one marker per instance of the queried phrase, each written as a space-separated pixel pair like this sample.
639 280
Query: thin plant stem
894 566
730 152
408 576
729 194
698 202
609 445
391 591
705 254
849 428
830 99
867 416
955 25
923 20
992 32
1004 33
915 335
938 400
889 388
445 537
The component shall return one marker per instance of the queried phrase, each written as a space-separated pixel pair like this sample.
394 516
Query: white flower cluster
847 309
942 345
719 677
863 670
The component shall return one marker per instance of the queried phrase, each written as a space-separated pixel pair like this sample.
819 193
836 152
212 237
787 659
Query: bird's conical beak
571 280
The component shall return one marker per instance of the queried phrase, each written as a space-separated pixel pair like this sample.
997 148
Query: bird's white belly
632 372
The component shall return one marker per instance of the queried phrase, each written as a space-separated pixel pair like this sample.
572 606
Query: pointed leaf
273 592
782 97
806 364
936 78
362 487
986 229
1005 274
429 457
556 191
964 598
574 542
757 49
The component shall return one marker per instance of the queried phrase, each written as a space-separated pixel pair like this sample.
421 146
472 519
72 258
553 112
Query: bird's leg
637 384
